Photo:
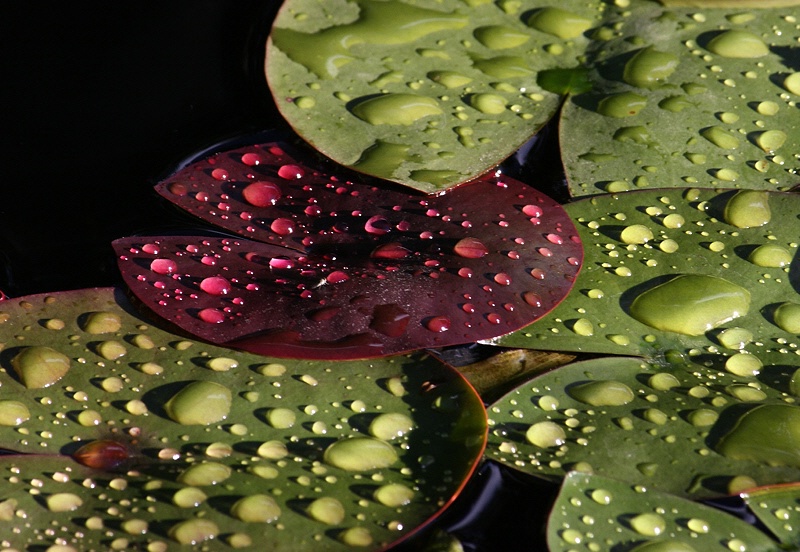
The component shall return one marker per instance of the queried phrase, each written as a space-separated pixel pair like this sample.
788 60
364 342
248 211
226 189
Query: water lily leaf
683 97
428 94
349 270
691 271
778 508
149 440
693 429
608 514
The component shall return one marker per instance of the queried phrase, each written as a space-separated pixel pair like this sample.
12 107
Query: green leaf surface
125 436
601 513
686 97
778 508
685 428
721 284
428 94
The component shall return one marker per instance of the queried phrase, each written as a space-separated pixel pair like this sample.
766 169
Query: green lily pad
778 508
687 428
428 94
673 271
683 97
601 513
148 439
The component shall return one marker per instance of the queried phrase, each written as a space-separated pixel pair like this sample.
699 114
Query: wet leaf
778 508
348 270
690 428
672 270
608 514
426 94
150 439
682 97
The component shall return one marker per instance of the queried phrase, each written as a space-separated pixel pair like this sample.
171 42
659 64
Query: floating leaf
695 429
607 514
348 270
422 93
778 508
674 270
149 439
682 97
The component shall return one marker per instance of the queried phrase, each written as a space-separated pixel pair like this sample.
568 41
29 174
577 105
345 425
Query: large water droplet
13 413
736 43
770 255
390 320
194 531
649 68
691 304
735 338
768 434
624 104
743 364
39 366
390 425
360 454
393 495
787 317
257 508
327 510
636 234
261 194
748 209
720 137
470 248
63 502
204 474
500 37
602 393
770 140
546 434
558 22
200 403
396 109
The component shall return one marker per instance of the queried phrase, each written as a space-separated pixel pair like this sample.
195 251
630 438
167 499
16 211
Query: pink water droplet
432 213
438 324
545 252
160 285
208 260
390 320
291 172
390 251
554 238
337 276
538 273
432 263
513 255
251 159
252 287
426 235
211 316
532 299
220 174
192 248
282 226
377 225
509 307
502 278
466 224
215 285
280 263
178 189
493 318
237 301
261 193
532 211
150 248
574 261
465 272
470 248
201 196
312 210
468 307
163 266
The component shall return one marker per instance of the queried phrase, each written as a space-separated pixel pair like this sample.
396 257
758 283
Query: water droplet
770 140
636 234
720 137
13 413
736 43
490 104
291 172
111 350
39 367
327 510
602 393
194 531
532 298
281 418
396 109
256 508
743 364
748 209
470 248
702 417
500 37
163 266
282 226
394 495
360 454
649 68
787 317
624 104
103 455
449 79
390 425
391 251
735 338
377 225
768 434
63 502
215 285
601 496
261 193
356 536
770 255
650 525
204 474
200 403
189 497
101 322
438 324
546 434
691 304
557 22
211 316
583 326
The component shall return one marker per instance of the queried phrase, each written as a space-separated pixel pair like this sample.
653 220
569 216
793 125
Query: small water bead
38 367
770 255
602 393
558 22
737 545
736 43
194 531
360 454
204 474
101 322
200 403
546 434
748 209
787 317
63 502
584 327
256 508
768 434
595 294
327 510
649 524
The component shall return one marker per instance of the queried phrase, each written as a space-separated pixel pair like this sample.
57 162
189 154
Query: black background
100 100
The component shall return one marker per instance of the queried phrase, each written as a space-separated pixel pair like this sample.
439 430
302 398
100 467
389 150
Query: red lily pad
333 268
